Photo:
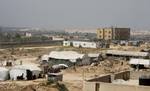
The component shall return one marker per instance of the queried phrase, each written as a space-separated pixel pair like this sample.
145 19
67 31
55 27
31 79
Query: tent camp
27 71
4 74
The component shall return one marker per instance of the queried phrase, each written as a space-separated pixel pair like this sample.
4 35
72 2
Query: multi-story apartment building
113 33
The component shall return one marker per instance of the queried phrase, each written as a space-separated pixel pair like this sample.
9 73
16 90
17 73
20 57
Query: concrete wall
125 75
106 78
89 86
122 75
93 86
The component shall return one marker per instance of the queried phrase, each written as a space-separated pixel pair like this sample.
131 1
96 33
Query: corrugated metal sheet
127 53
139 61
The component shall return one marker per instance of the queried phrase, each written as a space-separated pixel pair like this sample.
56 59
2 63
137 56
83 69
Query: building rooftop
66 55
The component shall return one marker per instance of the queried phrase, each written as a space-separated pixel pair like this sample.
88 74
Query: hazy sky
75 13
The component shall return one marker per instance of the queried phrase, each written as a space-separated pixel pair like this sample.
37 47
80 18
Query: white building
82 44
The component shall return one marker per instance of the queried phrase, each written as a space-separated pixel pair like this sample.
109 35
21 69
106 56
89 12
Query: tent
66 55
33 68
4 74
27 71
127 53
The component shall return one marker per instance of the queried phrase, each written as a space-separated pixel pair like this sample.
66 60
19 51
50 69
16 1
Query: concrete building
113 33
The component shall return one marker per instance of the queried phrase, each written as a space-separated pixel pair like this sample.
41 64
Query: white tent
35 69
21 70
139 61
66 55
15 72
4 74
